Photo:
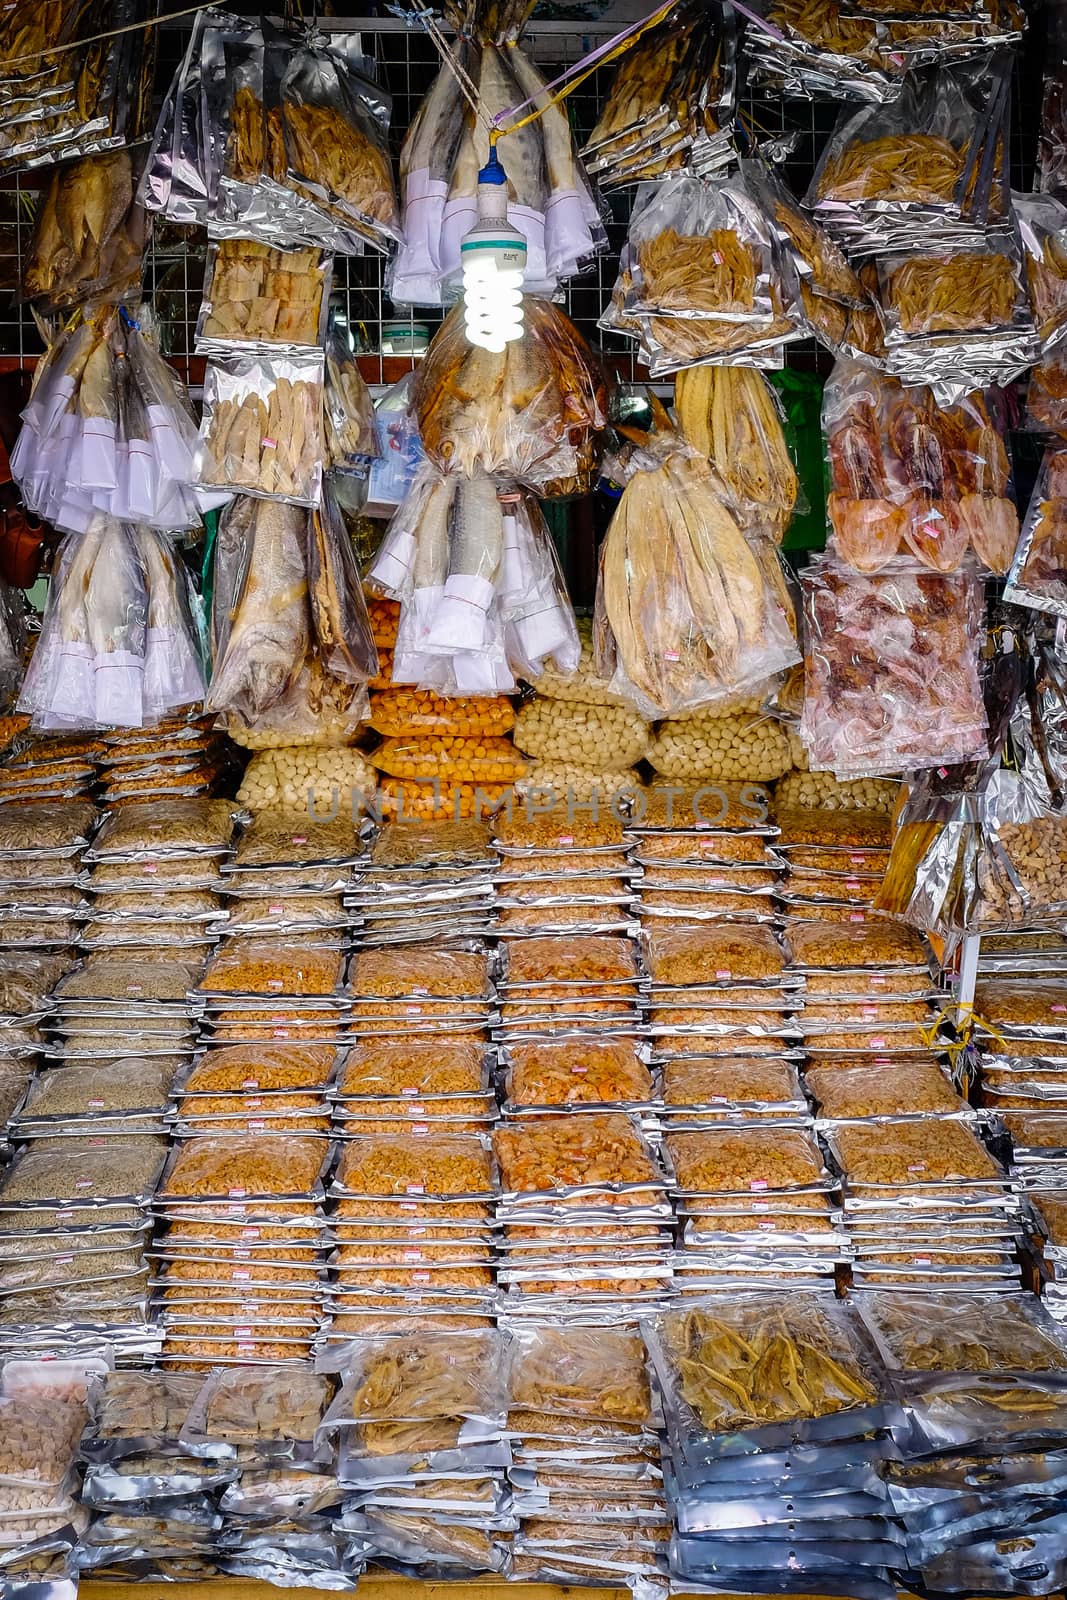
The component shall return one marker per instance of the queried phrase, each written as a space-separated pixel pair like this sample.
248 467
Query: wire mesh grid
407 62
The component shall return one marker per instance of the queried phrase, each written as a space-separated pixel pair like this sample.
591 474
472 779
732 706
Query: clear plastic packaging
351 431
1036 578
224 1167
273 967
262 427
259 296
891 669
574 1072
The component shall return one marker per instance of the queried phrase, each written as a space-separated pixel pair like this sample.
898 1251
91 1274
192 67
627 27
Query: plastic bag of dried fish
262 427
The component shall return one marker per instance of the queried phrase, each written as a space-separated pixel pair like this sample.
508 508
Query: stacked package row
422 881
923 1199
240 1265
411 1226
975 1479
706 855
583 739
562 869
835 861
420 1424
1020 1039
188 1475
773 1402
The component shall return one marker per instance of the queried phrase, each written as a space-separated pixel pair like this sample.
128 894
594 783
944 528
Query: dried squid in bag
731 416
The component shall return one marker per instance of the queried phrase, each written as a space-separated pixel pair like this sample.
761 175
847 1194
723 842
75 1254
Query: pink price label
579 1069
852 883
412 1255
878 980
410 1090
856 916
237 1194
242 1274
249 1233
250 1083
724 972
63 1260
416 1109
150 868
269 444
565 838
243 1333
256 1124
275 985
242 1254
878 1044
758 1183
420 1277
920 1166
415 1188
84 1183
97 1105
276 911
1057 1008
420 1129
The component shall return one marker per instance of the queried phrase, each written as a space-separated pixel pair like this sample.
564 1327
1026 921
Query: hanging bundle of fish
482 597
291 640
550 199
108 428
118 645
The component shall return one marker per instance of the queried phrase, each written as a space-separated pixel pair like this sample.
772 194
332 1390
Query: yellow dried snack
415 970
712 955
240 1165
733 1082
745 1161
413 1067
576 1071
594 1373
589 959
251 1068
274 966
875 943
563 1152
902 1154
557 830
405 1164
880 1091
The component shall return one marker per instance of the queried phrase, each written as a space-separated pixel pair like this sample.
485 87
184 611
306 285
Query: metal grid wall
407 63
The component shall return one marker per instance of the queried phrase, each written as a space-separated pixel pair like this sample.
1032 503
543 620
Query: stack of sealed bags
239 1269
43 1412
434 1004
755 1203
924 172
125 1005
806 50
280 139
866 993
34 769
421 1429
586 1219
253 1088
565 870
835 861
587 984
1047 1226
154 1509
412 1224
155 882
274 987
670 107
773 1404
289 875
446 756
586 1475
877 1098
719 991
582 737
75 1215
981 1457
41 885
63 98
176 759
258 1425
26 984
925 1201
1020 1029
423 881
705 856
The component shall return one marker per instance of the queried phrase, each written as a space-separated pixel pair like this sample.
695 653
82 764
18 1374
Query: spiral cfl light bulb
493 256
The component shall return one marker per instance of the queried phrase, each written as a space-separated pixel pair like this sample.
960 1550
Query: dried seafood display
909 476
89 234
